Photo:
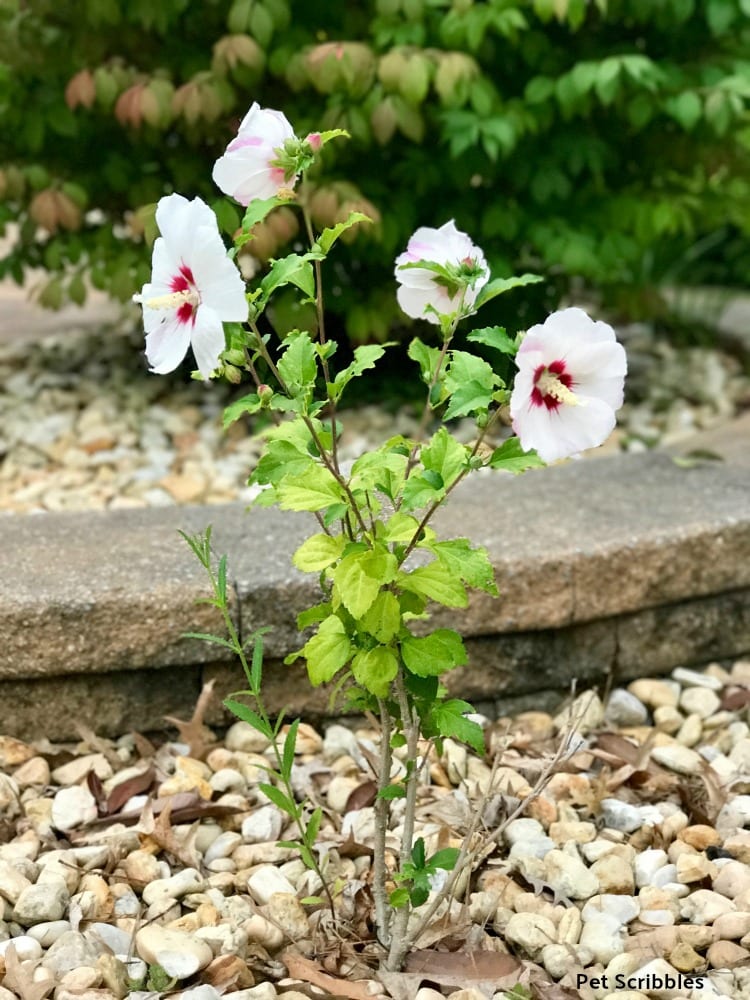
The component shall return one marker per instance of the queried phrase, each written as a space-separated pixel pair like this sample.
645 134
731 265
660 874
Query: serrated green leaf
445 456
418 491
399 898
247 405
392 791
472 565
298 365
280 459
256 212
318 552
426 357
400 527
327 651
359 577
287 270
495 337
315 490
329 236
365 357
502 285
317 613
434 654
383 619
449 719
470 382
436 582
444 860
374 669
418 853
511 457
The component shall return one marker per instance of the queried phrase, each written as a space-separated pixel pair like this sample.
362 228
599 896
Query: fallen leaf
98 744
185 806
198 736
159 832
309 971
735 698
487 971
362 796
94 784
349 848
228 971
19 977
136 785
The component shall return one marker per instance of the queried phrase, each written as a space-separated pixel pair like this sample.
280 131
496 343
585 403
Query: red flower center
546 378
184 281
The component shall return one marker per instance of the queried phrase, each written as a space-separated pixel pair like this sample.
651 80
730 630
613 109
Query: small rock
14 752
34 773
263 932
531 932
694 678
699 701
285 911
175 887
604 937
677 758
700 836
647 863
568 876
41 903
618 815
726 954
585 714
263 825
655 693
72 950
694 867
622 908
614 875
180 955
26 947
703 906
12 882
48 932
72 807
624 709
690 731
686 959
733 879
241 736
732 926
265 881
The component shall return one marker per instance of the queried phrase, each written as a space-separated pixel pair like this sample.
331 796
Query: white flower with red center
249 169
425 293
194 288
571 373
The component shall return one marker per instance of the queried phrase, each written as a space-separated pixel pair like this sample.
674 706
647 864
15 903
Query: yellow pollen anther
549 384
174 300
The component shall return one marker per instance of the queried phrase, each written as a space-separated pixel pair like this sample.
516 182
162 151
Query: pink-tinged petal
167 344
207 339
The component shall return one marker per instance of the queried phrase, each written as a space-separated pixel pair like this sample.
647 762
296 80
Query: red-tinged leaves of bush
128 107
232 51
53 210
383 121
81 90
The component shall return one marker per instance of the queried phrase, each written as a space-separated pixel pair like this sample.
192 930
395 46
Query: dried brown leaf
159 832
362 796
349 848
309 971
194 732
228 972
20 978
136 785
480 969
94 784
735 698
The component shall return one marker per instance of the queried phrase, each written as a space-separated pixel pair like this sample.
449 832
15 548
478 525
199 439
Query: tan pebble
673 825
81 979
694 868
690 731
686 959
527 902
537 725
697 935
183 488
141 868
581 833
726 954
220 758
654 941
468 994
738 845
34 772
654 693
733 879
569 926
14 752
700 836
615 875
263 932
732 926
667 719
506 888
542 810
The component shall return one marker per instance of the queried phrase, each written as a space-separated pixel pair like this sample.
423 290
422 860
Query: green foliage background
601 140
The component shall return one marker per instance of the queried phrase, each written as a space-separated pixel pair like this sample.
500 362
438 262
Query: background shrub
602 141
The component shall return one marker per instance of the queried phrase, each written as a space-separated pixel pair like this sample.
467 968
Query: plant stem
382 811
399 944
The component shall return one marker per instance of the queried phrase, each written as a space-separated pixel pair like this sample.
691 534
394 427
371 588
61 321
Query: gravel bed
84 426
118 856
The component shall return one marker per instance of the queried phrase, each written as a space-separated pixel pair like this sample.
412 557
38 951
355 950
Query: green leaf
426 357
470 382
418 853
248 404
399 898
278 798
472 565
246 714
291 269
374 669
607 79
256 212
334 133
298 365
495 337
418 491
392 792
315 490
511 457
445 859
449 719
434 654
313 615
400 527
318 552
327 651
436 582
312 826
369 470
383 619
446 456
686 108
364 358
502 285
287 756
215 640
359 577
329 236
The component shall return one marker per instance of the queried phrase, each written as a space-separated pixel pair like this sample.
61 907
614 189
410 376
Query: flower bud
265 394
264 243
231 374
315 141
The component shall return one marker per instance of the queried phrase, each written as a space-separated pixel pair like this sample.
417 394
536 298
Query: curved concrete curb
621 566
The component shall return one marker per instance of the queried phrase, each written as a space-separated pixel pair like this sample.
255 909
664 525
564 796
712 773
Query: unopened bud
232 374
314 141
265 392
234 356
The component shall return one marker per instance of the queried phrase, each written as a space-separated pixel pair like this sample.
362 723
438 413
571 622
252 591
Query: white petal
167 345
414 302
177 218
604 359
207 339
224 292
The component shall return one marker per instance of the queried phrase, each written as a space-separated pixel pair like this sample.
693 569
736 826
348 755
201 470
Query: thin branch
382 811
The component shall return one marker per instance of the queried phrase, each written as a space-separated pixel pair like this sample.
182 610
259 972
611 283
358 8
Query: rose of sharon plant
194 288
373 517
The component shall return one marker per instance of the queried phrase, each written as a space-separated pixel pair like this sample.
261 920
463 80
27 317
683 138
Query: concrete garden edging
619 567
